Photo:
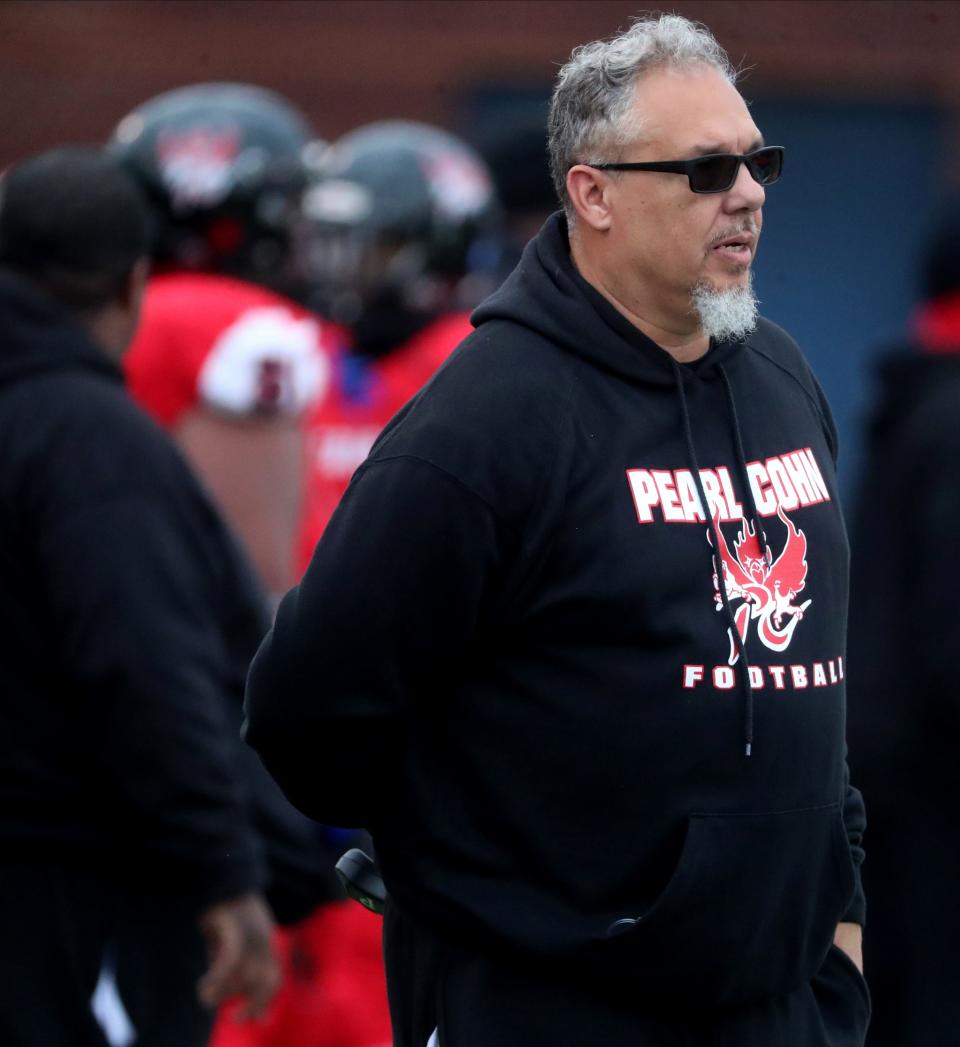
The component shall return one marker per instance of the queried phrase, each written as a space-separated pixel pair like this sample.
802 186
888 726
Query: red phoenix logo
766 588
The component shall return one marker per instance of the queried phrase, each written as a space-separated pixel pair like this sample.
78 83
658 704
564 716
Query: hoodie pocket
843 1000
750 910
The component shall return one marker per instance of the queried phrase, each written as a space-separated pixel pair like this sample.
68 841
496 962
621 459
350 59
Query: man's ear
127 307
589 191
131 293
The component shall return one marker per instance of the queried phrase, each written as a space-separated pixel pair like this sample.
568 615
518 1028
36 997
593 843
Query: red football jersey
364 395
226 344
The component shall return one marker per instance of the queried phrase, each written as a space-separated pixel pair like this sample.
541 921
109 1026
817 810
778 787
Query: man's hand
849 938
242 960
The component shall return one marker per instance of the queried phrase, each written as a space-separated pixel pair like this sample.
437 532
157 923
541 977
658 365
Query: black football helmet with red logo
223 166
405 225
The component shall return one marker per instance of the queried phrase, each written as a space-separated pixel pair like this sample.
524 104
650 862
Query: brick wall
69 70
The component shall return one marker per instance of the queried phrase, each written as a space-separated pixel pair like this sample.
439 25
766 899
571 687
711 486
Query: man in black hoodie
583 609
125 624
903 646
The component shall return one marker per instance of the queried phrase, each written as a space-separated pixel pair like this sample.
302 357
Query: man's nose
746 193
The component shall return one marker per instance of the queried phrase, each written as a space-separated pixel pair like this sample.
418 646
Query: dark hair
72 222
940 273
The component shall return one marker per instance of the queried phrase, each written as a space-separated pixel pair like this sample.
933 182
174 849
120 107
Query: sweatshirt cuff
238 872
856 911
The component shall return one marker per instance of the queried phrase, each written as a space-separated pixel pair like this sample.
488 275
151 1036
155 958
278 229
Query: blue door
842 237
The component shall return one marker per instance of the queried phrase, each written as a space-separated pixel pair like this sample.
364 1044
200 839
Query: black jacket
126 623
904 709
508 657
903 620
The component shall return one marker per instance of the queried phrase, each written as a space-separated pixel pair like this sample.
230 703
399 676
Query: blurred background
864 95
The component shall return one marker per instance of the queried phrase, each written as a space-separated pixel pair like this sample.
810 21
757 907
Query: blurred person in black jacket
229 365
904 638
127 621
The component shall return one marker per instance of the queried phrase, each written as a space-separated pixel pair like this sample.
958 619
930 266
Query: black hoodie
509 660
126 624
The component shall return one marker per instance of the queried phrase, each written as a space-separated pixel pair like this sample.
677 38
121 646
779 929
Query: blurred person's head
516 152
74 226
405 227
223 167
936 321
671 250
941 260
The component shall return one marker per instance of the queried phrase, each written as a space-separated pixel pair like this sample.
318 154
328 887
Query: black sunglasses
715 172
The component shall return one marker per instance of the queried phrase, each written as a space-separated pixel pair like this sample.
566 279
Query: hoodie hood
41 335
546 294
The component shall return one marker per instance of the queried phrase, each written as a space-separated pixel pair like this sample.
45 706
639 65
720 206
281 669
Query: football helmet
223 166
404 225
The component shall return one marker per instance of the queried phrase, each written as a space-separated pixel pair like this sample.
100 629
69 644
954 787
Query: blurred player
223 358
405 242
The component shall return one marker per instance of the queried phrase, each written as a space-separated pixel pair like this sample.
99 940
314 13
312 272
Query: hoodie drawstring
745 684
742 469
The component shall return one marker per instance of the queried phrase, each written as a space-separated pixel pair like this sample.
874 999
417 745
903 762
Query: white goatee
725 315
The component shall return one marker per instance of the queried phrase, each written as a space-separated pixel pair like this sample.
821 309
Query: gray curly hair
590 108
